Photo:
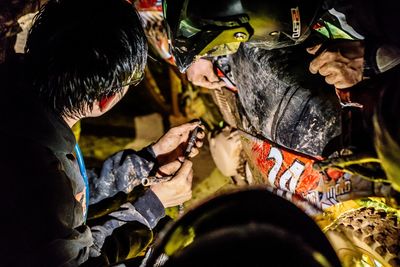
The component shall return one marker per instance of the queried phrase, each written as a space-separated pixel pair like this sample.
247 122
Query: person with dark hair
81 58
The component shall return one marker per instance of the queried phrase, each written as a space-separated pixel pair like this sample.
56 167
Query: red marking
317 26
220 73
334 174
309 178
148 5
104 101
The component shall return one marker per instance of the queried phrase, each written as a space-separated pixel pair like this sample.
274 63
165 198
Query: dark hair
80 51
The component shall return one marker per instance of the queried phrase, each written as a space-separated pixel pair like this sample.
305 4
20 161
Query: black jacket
41 189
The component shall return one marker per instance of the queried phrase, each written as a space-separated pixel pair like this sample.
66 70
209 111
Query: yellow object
226 42
76 129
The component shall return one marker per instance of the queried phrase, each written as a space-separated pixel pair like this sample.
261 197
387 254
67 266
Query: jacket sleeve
127 242
120 173
120 204
128 219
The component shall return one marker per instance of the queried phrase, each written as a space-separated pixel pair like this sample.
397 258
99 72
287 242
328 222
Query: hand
172 145
201 73
177 190
342 64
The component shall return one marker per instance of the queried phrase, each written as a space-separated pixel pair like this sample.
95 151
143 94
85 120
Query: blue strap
82 170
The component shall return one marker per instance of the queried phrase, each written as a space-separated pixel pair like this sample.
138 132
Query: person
230 230
358 56
81 58
272 25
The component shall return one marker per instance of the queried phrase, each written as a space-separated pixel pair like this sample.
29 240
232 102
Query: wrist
150 207
148 153
155 149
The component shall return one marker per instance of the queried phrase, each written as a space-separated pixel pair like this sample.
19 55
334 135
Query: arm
124 170
123 233
143 205
127 231
120 173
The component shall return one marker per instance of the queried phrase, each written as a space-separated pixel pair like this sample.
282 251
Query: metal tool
148 181
155 180
191 142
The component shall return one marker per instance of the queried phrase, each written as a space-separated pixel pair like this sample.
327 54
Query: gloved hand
178 189
201 73
341 64
172 145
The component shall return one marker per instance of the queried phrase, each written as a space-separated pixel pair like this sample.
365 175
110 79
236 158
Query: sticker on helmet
296 22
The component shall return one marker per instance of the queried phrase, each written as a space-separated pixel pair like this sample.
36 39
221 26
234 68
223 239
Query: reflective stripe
82 170
343 23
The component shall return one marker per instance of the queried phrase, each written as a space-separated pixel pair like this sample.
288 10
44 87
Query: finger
200 134
196 79
314 49
181 159
199 143
343 84
211 77
185 169
339 81
222 83
169 168
321 60
233 134
194 152
331 68
218 85
340 75
186 128
203 81
210 85
332 79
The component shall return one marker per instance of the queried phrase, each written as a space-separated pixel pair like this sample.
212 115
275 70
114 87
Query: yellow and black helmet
249 227
211 28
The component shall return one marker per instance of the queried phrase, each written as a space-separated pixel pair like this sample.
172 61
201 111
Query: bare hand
177 190
173 144
340 64
201 73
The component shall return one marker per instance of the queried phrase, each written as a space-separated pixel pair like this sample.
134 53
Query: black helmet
211 28
387 127
249 227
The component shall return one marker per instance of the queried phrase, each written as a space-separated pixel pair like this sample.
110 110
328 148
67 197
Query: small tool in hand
191 141
147 181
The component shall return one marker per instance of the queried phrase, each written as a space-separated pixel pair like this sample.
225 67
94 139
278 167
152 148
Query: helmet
387 127
212 28
248 227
